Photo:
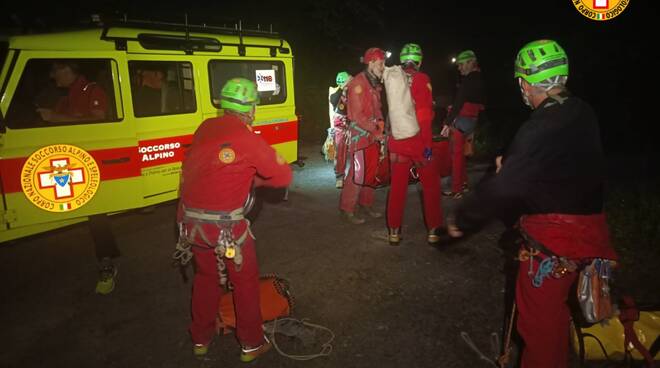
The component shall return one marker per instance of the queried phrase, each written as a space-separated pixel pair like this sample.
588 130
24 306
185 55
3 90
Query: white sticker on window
266 80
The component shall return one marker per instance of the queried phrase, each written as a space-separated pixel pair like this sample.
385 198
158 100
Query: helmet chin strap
547 85
246 117
524 94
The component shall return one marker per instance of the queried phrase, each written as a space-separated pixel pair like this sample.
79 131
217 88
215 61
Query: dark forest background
329 36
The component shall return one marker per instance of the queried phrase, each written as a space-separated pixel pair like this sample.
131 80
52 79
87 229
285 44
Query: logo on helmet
600 10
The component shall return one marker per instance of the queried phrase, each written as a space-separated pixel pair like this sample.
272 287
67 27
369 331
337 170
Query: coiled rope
326 348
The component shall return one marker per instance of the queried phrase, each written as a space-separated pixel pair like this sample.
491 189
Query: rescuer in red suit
415 152
220 167
85 100
462 119
366 131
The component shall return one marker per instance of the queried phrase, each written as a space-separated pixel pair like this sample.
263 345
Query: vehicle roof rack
191 44
237 30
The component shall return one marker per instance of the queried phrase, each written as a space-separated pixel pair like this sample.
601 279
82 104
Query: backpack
275 299
610 340
401 107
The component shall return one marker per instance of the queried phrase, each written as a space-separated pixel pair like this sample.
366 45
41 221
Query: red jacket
422 95
220 166
364 109
82 99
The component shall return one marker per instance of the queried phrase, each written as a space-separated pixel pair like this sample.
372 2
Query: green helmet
342 78
411 52
540 60
239 94
465 56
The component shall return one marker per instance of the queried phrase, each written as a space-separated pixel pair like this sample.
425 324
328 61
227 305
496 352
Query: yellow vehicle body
56 174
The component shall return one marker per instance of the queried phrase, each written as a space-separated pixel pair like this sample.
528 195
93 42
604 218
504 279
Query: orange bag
276 301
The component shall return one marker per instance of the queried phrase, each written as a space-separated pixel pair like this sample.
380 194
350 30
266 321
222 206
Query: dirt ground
387 306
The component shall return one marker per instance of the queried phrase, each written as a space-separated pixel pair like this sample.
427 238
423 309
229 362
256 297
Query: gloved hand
380 130
428 152
445 131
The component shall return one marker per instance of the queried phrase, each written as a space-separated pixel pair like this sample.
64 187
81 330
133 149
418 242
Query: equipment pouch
593 291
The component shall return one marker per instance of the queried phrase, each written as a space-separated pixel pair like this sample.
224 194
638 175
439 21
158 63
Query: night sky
329 36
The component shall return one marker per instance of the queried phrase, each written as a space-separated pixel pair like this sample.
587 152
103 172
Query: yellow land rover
114 138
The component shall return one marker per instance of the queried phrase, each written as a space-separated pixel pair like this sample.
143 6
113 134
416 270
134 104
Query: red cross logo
61 178
601 4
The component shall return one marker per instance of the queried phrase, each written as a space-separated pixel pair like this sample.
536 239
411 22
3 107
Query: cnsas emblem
600 9
60 178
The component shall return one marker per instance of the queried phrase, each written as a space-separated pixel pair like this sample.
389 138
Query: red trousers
458 171
543 319
396 198
341 149
352 194
206 296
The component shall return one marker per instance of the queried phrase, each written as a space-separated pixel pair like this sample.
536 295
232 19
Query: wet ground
387 306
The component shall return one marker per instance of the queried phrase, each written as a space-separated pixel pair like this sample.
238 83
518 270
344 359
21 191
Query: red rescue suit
404 153
83 98
543 314
224 160
365 122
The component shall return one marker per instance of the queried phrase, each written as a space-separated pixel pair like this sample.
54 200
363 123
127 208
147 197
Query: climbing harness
225 246
550 265
361 132
182 252
545 269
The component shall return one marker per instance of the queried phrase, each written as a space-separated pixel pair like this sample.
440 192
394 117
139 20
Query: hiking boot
200 350
351 218
465 188
453 195
371 212
453 230
433 238
394 236
107 274
250 354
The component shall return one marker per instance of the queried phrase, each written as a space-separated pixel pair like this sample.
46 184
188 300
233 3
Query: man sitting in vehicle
85 100
152 95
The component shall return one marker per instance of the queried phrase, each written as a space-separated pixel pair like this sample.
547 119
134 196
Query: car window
268 75
54 92
4 49
162 88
